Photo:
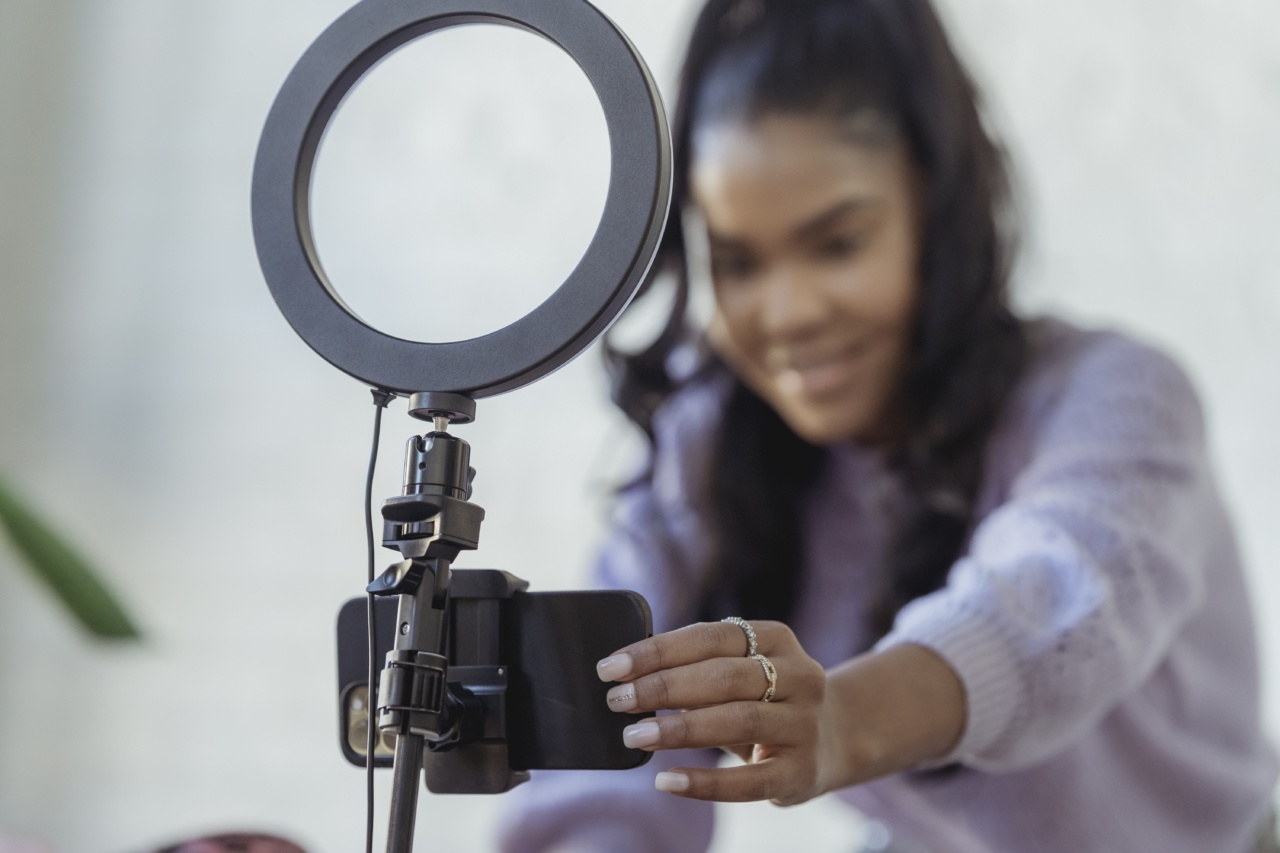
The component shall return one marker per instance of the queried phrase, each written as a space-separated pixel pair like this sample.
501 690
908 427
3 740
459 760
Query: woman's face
814 248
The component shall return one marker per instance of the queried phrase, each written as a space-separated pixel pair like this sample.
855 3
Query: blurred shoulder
1104 384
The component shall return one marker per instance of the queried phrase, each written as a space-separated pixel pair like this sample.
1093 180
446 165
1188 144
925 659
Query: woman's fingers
731 724
784 782
696 685
691 644
704 670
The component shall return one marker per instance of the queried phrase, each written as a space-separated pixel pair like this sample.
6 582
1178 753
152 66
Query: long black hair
845 59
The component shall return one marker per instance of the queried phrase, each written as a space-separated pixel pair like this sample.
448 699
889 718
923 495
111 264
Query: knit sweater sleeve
1074 587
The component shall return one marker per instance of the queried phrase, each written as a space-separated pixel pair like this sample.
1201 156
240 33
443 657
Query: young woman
990 593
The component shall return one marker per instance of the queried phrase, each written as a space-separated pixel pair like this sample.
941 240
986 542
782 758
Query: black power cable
380 401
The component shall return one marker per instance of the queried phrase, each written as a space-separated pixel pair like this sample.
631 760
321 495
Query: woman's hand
703 670
876 714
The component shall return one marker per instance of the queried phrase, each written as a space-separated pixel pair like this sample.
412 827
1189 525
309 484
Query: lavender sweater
1098 620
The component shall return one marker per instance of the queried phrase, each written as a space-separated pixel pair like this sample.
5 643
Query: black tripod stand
486 681
430 524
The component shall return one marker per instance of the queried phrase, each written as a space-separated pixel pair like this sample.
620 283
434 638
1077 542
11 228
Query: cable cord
380 401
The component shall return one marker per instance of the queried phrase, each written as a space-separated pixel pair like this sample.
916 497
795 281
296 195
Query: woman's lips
821 376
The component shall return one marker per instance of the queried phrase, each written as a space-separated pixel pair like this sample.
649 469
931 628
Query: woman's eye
841 247
732 267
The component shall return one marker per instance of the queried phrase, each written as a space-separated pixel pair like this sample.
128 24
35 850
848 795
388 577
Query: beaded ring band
752 647
771 673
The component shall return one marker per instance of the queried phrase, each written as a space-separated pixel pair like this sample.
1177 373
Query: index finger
683 646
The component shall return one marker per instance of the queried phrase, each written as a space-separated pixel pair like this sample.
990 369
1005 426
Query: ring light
605 279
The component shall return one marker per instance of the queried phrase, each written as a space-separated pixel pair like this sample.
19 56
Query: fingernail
676 783
622 698
613 668
640 735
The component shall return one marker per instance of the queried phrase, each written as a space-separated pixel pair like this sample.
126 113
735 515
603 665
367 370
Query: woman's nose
791 304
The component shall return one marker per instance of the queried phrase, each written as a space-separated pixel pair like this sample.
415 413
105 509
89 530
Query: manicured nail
640 735
676 783
613 668
622 698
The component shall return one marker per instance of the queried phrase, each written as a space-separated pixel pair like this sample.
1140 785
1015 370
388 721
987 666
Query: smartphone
541 648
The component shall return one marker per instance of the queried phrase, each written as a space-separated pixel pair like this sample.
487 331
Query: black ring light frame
588 301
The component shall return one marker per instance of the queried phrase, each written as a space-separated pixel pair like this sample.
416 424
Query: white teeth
791 381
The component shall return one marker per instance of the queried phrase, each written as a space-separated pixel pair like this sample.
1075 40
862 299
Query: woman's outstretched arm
1071 593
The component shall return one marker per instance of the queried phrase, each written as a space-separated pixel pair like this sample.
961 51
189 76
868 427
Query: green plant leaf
66 574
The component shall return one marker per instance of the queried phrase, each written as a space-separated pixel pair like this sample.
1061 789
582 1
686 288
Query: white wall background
157 406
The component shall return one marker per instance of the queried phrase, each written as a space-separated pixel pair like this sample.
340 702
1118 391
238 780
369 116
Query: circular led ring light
597 290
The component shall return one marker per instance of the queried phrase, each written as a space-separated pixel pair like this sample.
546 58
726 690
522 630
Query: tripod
430 523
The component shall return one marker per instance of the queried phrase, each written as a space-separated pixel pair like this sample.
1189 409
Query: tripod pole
404 793
420 639
430 523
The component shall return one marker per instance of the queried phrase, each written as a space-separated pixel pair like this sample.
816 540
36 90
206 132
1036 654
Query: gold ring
771 673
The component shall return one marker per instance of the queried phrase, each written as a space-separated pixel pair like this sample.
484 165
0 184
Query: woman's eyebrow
720 241
833 214
806 230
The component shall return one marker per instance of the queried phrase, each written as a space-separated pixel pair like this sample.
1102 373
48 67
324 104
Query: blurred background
159 411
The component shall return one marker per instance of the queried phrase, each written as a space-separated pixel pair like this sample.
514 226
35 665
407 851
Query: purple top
1098 620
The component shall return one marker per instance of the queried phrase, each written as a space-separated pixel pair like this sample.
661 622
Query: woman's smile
819 375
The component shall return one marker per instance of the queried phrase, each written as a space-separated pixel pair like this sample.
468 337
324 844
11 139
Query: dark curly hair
841 59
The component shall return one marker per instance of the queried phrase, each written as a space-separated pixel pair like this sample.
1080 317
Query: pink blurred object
232 842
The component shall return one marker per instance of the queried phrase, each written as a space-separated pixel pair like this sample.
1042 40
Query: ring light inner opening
460 183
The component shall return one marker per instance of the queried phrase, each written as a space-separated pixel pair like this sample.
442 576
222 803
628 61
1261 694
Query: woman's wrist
890 710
